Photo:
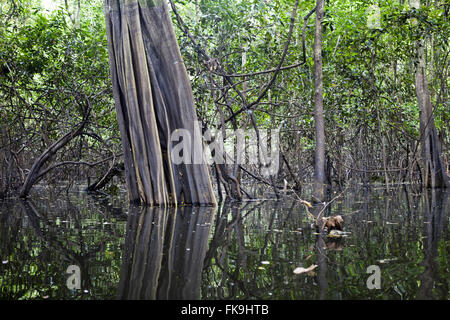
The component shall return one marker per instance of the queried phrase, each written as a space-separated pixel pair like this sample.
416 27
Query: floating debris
338 234
387 222
265 262
387 260
300 270
331 223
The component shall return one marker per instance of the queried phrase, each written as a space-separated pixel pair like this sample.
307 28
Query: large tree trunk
153 99
434 171
319 159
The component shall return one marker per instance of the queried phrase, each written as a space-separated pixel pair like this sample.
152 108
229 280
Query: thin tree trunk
153 99
77 15
319 158
299 155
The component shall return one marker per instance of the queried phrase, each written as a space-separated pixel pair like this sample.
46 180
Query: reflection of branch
221 238
434 213
270 229
51 241
322 271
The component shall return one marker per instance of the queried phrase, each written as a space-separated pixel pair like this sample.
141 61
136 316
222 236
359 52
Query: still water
235 251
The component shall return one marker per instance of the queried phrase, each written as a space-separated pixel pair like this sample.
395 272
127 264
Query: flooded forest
224 150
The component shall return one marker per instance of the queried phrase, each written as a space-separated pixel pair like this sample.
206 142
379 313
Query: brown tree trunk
434 171
153 99
319 158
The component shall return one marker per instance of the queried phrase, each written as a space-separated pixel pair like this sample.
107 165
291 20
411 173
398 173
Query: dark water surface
246 251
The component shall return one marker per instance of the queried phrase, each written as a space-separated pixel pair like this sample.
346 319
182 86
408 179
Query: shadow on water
234 251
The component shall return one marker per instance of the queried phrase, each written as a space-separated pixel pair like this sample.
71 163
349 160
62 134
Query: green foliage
50 65
368 73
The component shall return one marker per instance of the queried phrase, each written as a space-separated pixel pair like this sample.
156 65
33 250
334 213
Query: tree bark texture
153 98
434 171
319 158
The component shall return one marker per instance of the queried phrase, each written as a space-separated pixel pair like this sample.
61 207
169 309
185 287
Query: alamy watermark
373 17
260 148
74 280
374 14
374 280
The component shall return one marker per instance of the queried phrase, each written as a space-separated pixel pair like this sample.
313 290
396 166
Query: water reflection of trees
432 285
254 248
164 252
167 256
234 251
401 232
39 241
228 225
253 251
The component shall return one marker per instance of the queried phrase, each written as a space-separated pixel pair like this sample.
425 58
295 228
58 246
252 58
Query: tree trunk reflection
433 227
164 252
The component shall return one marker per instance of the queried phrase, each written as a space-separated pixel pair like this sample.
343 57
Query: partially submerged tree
319 158
153 99
434 171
